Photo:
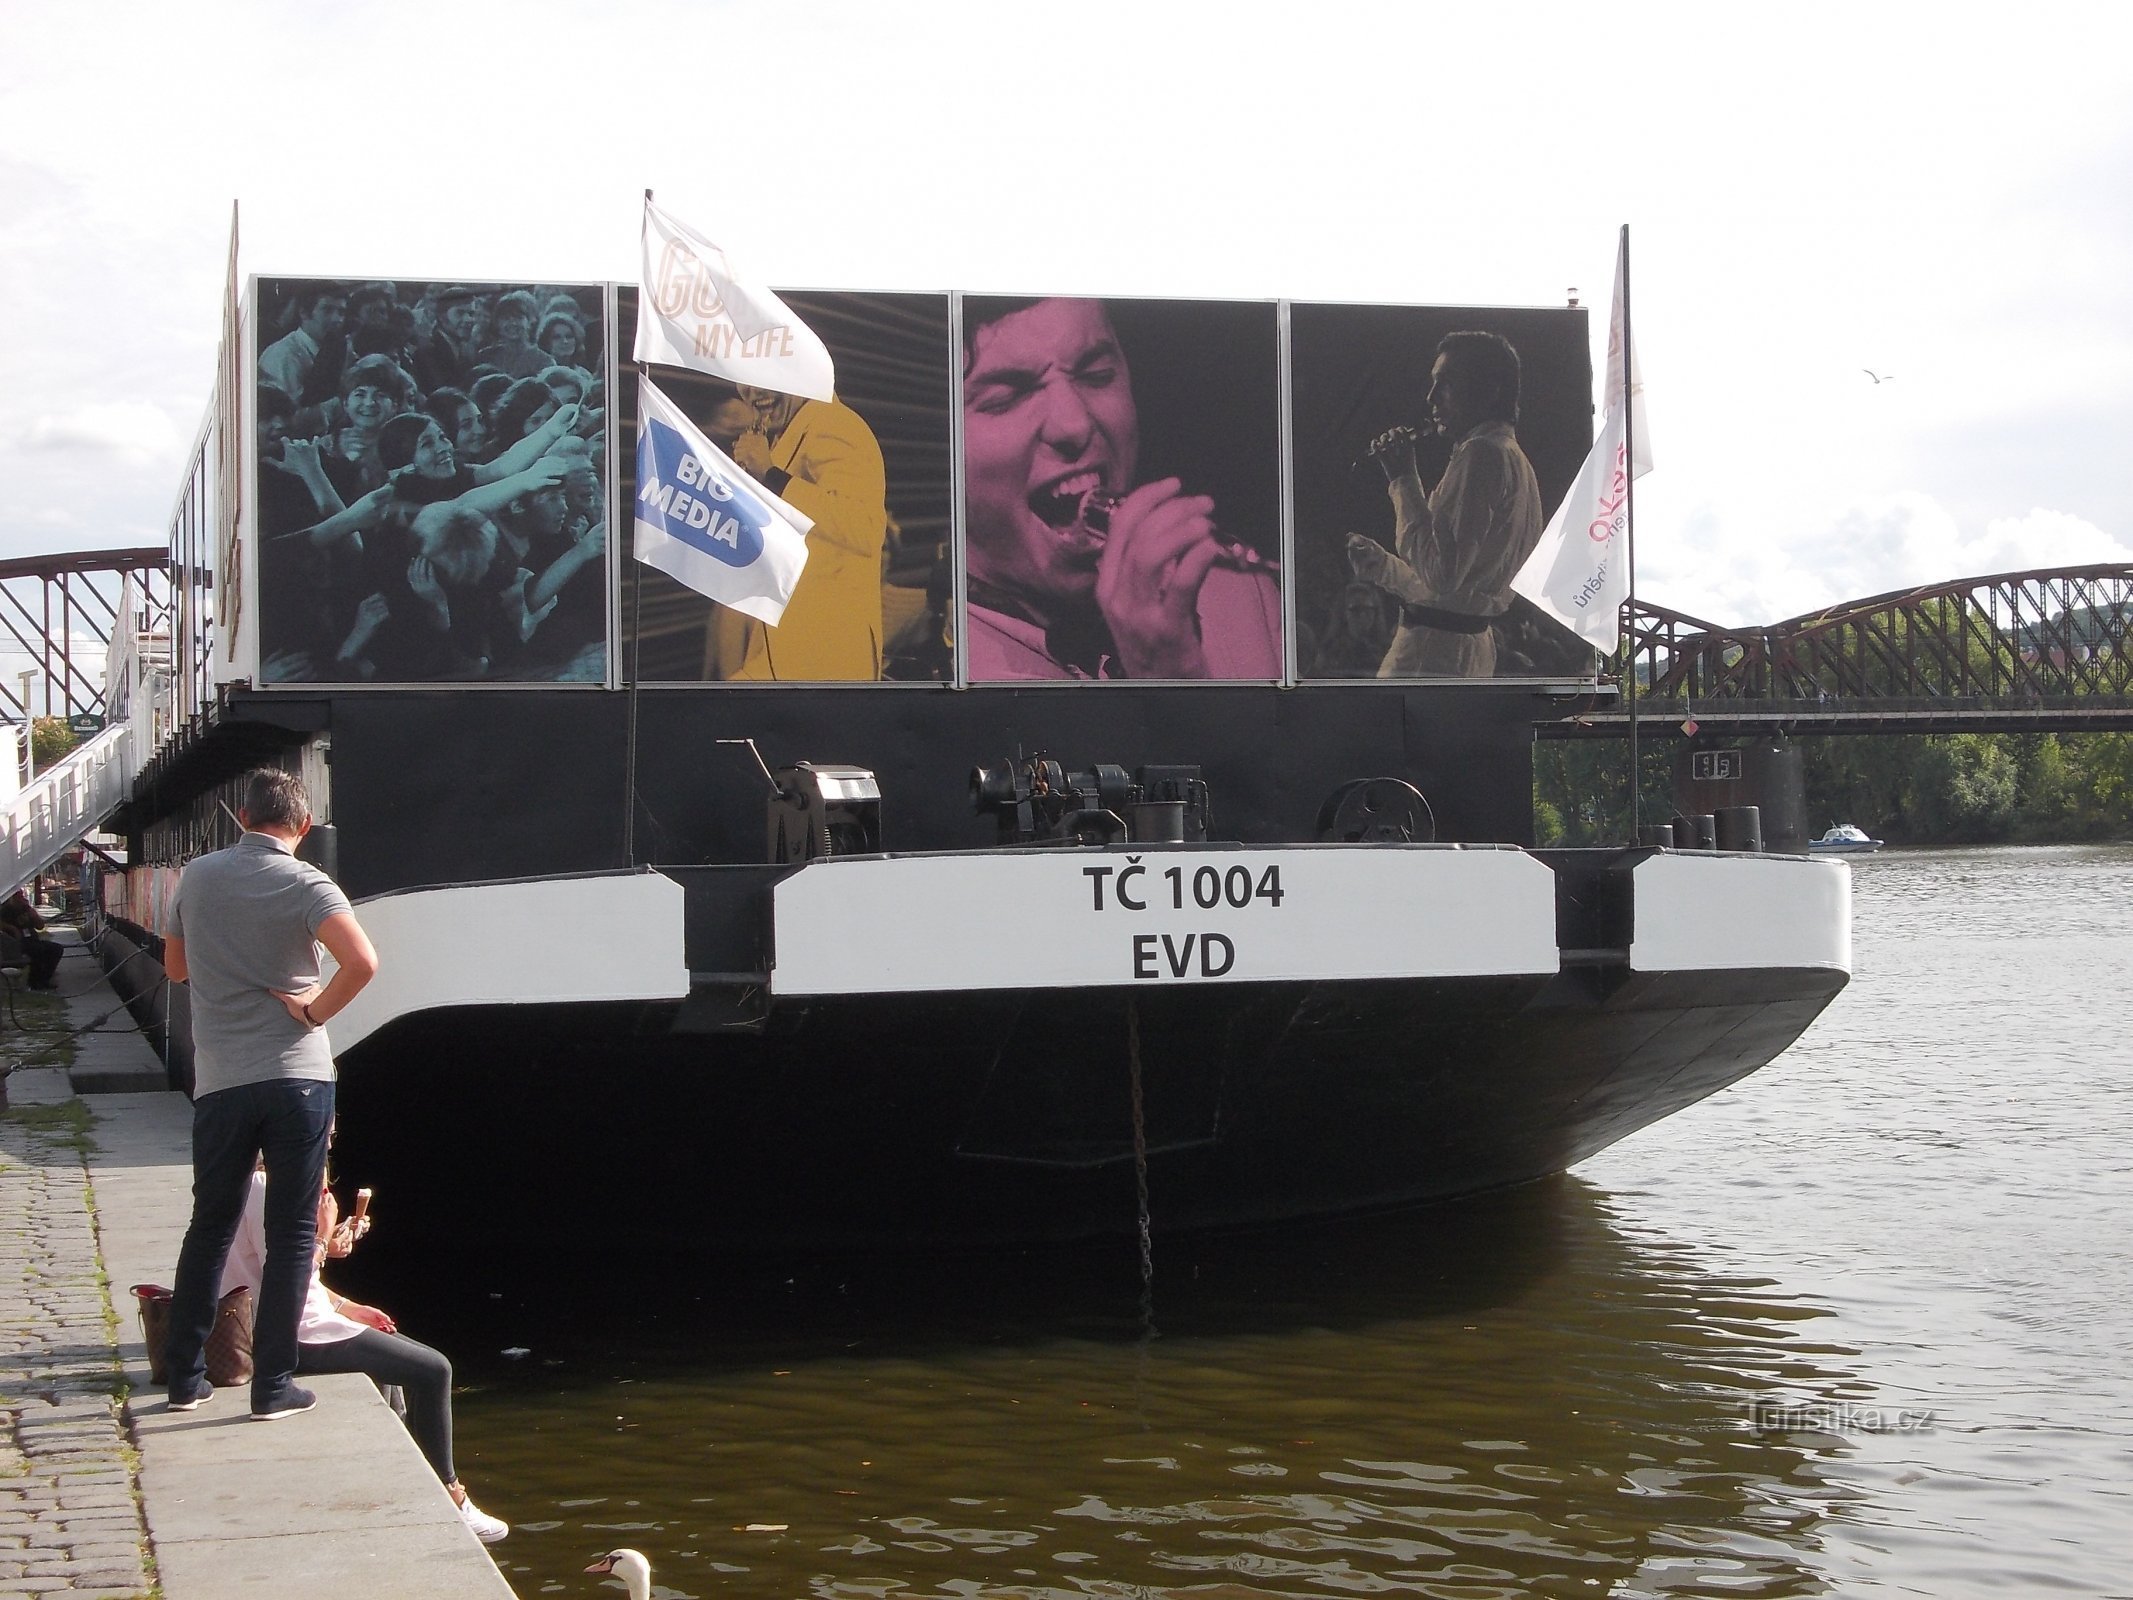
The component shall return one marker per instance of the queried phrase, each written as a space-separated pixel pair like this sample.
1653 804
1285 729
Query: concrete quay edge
336 1504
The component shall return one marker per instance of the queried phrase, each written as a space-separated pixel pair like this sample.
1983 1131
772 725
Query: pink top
319 1323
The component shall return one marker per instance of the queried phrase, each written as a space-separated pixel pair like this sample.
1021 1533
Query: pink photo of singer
1121 490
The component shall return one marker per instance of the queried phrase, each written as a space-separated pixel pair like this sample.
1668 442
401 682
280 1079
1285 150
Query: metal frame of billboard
248 544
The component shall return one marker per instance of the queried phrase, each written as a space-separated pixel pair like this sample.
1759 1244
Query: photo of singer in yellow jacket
822 459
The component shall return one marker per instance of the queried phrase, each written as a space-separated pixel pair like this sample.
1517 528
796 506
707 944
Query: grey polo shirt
248 916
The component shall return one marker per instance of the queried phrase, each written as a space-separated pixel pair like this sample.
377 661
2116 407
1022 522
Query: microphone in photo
1404 432
1095 515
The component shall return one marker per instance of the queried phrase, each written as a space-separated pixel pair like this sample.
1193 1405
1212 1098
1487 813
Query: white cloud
2044 538
1830 209
1738 575
136 431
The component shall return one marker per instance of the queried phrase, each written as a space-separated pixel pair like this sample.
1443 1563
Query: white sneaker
484 1527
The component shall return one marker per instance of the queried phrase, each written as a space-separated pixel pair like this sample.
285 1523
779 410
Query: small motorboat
1844 840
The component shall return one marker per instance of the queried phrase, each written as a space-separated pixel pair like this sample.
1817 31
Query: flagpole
629 755
1629 544
636 647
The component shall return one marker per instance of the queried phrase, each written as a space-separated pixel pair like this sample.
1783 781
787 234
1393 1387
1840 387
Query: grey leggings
425 1375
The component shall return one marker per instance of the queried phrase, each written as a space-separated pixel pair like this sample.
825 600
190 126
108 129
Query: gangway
64 803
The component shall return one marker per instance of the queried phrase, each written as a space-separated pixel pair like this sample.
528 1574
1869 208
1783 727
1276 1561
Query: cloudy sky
1940 194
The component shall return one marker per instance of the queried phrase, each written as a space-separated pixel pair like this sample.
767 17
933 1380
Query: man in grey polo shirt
244 932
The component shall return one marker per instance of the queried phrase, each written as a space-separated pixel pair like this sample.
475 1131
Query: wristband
308 1017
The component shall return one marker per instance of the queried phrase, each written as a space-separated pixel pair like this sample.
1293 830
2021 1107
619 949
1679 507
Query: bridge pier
1711 774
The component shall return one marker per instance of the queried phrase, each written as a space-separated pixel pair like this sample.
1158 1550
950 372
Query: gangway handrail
65 802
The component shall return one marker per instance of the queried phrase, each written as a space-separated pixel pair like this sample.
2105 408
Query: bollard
1159 822
1657 833
1740 828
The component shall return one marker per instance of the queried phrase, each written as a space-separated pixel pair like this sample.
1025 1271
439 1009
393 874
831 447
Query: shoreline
102 1490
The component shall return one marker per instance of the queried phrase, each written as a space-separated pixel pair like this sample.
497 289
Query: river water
1858 1326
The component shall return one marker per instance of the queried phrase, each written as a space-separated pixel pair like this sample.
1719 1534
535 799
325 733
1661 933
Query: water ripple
1692 1370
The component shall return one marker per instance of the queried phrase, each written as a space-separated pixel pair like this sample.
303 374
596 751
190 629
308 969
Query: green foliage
2050 799
50 739
1547 821
1581 789
1973 788
36 1033
1964 788
1919 789
66 1123
1858 780
2104 769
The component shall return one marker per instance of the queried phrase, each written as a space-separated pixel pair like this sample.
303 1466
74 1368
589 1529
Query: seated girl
337 1334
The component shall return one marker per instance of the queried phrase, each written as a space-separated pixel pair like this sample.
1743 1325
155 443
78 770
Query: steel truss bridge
2020 652
58 614
2041 651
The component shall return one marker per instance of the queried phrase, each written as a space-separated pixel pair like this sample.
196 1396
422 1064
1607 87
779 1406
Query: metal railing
63 803
2010 639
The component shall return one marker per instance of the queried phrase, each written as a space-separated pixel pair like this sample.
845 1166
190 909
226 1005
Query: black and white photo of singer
1457 546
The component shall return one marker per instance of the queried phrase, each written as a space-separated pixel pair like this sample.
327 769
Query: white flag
695 311
704 522
1617 332
1579 572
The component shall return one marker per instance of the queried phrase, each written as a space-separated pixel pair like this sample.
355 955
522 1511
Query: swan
631 1567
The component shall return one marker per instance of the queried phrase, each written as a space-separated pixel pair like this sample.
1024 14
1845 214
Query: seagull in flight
1879 377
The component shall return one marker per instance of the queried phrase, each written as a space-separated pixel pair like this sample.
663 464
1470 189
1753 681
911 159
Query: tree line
1911 789
1974 788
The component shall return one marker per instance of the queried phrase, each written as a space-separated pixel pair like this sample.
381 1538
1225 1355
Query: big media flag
704 522
1579 572
695 311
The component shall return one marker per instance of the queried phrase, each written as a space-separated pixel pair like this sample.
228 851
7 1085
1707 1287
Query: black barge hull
1010 1117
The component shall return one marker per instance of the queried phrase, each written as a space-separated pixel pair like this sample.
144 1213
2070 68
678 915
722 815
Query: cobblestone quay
103 1491
70 1511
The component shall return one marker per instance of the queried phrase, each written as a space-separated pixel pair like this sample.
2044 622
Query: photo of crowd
1432 444
430 496
1121 489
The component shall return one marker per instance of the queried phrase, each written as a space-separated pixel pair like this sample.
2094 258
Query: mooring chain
1140 1167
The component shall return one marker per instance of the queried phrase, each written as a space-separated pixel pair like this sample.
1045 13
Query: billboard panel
430 497
429 462
870 467
1431 444
1122 489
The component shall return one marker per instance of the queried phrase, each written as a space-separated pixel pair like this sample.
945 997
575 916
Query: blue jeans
285 1121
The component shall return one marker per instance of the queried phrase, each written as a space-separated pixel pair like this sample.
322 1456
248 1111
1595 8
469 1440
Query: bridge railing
63 803
64 613
1664 715
2037 638
1659 707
